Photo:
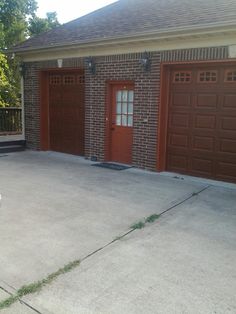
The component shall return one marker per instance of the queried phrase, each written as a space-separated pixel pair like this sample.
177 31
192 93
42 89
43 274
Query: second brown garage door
66 112
201 137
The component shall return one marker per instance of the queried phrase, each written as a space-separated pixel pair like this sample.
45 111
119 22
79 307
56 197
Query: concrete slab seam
20 300
177 203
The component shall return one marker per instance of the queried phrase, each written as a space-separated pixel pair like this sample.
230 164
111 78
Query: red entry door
122 123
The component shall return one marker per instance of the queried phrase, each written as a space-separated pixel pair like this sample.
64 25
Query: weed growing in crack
8 302
152 218
138 225
38 285
141 224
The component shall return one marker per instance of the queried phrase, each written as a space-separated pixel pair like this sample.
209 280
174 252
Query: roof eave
144 36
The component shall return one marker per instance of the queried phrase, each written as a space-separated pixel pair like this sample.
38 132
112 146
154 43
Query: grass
152 218
8 302
38 285
138 225
141 224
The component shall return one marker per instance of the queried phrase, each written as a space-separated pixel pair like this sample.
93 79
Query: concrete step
10 143
12 146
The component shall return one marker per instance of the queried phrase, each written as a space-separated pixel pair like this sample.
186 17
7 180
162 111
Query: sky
68 10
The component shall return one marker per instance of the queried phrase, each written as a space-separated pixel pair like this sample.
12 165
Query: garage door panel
229 101
181 100
206 101
179 140
228 123
203 166
180 120
178 163
203 121
201 137
203 143
228 146
226 171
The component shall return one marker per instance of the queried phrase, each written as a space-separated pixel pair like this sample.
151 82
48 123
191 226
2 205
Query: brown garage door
201 137
66 112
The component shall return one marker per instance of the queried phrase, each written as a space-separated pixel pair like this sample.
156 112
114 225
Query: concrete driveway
57 208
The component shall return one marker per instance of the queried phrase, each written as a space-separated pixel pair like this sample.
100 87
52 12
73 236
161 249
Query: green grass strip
38 285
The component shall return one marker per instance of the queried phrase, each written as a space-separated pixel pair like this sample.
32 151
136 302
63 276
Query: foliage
9 82
18 21
13 20
38 25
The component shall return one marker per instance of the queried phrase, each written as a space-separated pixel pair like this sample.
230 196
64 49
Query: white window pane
130 108
124 120
124 108
118 95
118 108
130 120
125 95
118 120
131 95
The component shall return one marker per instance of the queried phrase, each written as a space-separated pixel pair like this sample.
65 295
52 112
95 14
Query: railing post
22 106
10 121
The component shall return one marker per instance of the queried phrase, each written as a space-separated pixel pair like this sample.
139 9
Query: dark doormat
112 166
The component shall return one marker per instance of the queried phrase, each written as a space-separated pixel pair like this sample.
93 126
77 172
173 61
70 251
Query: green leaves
13 17
18 21
9 82
38 25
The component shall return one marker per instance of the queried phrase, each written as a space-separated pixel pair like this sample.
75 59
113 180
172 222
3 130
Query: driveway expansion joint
178 203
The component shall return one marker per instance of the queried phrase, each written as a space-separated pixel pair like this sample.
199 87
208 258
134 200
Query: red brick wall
147 87
120 67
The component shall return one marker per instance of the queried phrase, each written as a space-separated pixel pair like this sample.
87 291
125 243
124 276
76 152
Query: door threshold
112 166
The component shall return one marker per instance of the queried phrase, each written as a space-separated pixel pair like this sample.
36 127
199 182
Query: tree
18 21
13 20
38 25
9 84
13 30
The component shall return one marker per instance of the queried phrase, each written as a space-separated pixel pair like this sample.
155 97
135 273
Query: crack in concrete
176 204
5 290
30 306
20 300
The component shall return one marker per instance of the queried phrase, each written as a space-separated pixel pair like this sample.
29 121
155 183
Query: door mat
112 166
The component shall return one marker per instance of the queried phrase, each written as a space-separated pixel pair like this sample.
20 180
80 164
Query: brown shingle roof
130 17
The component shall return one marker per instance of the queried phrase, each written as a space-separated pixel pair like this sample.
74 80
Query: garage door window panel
207 76
182 77
230 76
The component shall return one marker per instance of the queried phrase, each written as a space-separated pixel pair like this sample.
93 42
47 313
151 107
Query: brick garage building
149 83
